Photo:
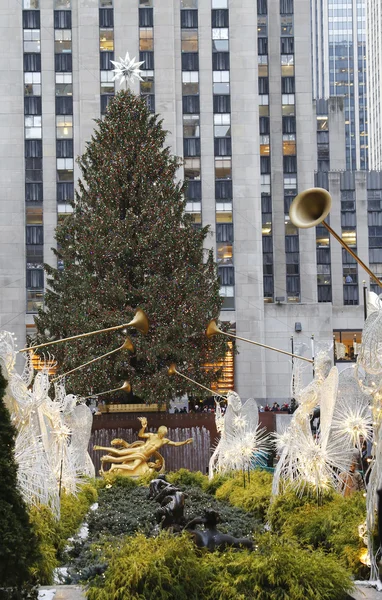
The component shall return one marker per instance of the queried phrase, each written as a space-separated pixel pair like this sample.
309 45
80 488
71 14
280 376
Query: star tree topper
127 69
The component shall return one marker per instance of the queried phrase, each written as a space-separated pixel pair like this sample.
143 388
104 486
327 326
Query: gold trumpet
309 208
140 322
173 371
127 345
126 387
213 329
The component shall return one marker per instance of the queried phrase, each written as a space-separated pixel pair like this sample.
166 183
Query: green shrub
211 485
46 529
169 568
332 526
254 497
187 478
73 511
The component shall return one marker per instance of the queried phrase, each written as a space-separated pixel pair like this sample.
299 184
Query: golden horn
172 371
139 322
127 345
309 208
126 387
213 329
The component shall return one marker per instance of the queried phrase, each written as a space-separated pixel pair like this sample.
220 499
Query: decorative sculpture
242 444
211 538
133 460
171 499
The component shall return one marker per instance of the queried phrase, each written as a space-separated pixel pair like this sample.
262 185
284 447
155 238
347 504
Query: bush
73 511
254 497
184 477
45 527
169 567
211 485
331 526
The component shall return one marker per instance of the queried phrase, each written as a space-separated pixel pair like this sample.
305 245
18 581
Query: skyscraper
374 70
339 68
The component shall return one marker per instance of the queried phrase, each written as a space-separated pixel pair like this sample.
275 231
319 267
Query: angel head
322 364
234 400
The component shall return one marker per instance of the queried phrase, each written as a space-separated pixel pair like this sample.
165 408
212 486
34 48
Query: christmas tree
18 545
129 244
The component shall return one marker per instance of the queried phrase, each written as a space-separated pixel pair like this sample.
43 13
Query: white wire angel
306 459
242 444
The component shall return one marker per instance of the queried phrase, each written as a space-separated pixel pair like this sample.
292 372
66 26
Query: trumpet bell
140 322
212 328
128 345
310 208
172 369
126 387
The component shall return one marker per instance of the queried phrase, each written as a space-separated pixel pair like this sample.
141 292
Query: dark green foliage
128 244
18 544
169 568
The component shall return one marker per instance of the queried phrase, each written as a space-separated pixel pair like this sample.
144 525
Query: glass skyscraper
339 68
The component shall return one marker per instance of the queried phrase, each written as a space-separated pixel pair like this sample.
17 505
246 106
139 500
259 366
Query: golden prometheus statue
138 458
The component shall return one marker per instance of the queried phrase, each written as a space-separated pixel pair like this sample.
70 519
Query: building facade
339 68
374 69
238 108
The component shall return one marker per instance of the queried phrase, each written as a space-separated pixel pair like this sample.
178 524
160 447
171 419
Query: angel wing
374 303
250 412
327 401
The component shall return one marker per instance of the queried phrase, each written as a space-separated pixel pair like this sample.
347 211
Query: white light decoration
52 435
242 443
127 69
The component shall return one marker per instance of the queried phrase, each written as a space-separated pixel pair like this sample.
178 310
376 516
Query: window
191 126
219 3
33 149
105 3
223 168
62 4
33 216
190 83
35 278
226 276
188 3
31 19
286 26
191 147
62 41
220 82
64 149
147 58
262 46
286 7
346 345
32 105
64 127
35 301
190 61
223 190
220 45
288 110
64 85
32 84
287 87
65 191
34 234
220 34
287 71
106 17
289 145
222 146
349 236
63 63
224 254
32 127
261 7
64 164
32 63
32 40
62 19
148 85
189 40
33 192
263 85
220 61
145 3
188 19
106 40
191 105
146 17
192 168
264 145
194 190
322 124
287 45
222 104
228 295
224 231
65 174
31 4
262 29
33 170
220 18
